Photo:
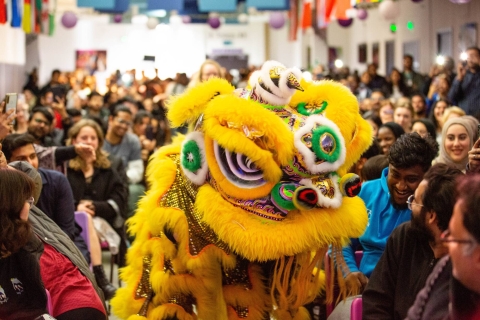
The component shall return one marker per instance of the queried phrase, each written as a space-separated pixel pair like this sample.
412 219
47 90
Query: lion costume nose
305 198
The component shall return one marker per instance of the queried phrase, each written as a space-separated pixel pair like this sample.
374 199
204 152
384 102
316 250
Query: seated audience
452 291
36 255
436 115
56 201
385 198
419 106
413 248
458 135
97 188
403 115
424 127
374 121
388 133
452 112
386 111
373 167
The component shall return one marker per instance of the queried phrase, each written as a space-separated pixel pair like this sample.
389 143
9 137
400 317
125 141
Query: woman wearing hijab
388 133
458 136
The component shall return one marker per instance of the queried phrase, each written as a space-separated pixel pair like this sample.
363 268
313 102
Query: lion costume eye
321 144
193 158
238 168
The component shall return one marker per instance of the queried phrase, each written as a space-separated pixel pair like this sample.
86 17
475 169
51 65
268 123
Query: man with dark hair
465 90
412 79
376 80
56 201
126 145
386 201
39 126
96 110
419 106
452 291
413 248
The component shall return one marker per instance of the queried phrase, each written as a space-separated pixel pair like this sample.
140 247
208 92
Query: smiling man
386 201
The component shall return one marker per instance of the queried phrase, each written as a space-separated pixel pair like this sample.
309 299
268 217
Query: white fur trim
270 98
323 201
200 176
265 75
308 155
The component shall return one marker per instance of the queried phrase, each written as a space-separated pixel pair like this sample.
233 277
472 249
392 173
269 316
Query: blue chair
81 218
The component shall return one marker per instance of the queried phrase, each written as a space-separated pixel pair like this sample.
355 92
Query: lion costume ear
187 108
361 141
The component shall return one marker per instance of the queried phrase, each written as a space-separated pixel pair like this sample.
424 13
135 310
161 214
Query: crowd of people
75 149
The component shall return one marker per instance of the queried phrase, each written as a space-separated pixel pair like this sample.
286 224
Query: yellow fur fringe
189 106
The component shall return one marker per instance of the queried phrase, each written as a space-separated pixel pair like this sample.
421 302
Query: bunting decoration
293 20
307 14
27 17
3 12
16 19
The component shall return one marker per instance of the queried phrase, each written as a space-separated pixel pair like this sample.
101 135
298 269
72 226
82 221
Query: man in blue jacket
386 201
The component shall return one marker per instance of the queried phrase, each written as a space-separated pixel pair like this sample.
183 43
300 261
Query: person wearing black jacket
413 248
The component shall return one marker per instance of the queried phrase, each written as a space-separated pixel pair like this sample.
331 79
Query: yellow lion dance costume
242 210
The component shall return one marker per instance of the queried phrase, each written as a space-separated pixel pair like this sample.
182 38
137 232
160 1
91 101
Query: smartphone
464 63
11 102
478 131
58 92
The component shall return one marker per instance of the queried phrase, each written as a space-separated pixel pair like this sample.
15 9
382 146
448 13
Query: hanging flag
307 14
16 20
27 17
38 16
341 7
3 12
293 20
52 8
44 23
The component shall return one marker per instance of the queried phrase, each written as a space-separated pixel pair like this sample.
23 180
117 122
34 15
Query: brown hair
102 156
213 63
15 188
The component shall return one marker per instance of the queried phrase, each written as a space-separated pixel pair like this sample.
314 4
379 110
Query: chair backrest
49 302
356 309
82 220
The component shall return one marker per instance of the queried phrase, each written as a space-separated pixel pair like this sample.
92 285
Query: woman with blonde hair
97 187
403 115
452 112
208 69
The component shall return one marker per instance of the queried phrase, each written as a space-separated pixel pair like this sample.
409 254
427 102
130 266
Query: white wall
178 48
13 45
428 17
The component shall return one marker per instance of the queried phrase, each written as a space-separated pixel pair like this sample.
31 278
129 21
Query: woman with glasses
33 258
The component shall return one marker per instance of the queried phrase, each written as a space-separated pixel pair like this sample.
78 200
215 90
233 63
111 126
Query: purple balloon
214 22
362 14
460 1
186 19
345 22
117 18
69 19
277 20
417 0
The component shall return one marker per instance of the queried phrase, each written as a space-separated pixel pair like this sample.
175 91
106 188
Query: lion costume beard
242 210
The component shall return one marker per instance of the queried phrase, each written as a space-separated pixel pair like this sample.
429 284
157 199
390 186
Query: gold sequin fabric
242 312
182 196
238 275
184 301
144 287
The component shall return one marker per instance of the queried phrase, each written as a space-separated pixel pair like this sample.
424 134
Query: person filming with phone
465 90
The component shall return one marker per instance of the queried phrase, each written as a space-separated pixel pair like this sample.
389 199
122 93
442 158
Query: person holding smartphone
465 90
473 165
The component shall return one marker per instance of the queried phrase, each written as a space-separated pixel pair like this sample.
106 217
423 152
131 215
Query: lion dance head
241 210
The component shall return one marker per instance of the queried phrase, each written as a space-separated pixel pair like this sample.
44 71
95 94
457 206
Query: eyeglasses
41 121
30 201
445 237
410 202
125 122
